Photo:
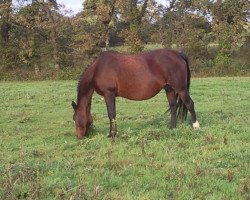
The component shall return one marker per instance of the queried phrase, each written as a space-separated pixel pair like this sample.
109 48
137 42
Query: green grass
40 157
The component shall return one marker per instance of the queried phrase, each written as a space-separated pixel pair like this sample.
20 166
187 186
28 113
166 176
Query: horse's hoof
80 137
196 125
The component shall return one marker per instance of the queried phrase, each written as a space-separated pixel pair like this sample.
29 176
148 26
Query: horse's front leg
111 108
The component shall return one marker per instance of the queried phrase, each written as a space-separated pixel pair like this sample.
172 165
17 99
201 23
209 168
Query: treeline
40 35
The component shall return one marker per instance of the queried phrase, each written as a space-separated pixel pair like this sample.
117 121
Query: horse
135 77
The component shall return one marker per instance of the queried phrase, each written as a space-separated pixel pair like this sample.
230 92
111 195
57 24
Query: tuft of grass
42 159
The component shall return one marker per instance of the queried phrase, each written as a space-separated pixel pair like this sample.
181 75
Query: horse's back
161 59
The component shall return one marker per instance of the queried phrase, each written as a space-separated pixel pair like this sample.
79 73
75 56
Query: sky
76 5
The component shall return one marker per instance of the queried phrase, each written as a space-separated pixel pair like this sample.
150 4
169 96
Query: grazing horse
135 77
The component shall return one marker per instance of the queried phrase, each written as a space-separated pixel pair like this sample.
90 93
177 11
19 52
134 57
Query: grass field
40 157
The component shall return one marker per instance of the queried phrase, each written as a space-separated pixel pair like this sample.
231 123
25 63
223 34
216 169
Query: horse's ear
73 105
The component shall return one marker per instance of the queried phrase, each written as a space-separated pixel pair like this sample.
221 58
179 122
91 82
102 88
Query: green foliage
93 27
38 36
34 37
132 39
223 60
43 74
42 159
182 29
240 58
228 26
132 13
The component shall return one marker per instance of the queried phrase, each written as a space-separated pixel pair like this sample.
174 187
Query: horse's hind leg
186 99
111 108
172 104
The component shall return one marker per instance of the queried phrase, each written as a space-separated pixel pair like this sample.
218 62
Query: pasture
40 157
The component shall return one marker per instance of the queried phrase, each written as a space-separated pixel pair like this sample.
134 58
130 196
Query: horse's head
82 120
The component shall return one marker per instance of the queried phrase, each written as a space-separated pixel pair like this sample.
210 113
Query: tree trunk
107 38
53 35
5 18
55 49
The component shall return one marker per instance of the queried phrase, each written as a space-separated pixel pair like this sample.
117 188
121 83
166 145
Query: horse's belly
138 97
139 90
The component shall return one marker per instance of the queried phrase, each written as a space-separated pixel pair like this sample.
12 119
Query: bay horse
134 77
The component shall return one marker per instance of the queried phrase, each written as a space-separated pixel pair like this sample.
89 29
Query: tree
105 12
35 34
228 27
52 26
179 26
132 13
227 18
93 27
5 18
29 19
7 47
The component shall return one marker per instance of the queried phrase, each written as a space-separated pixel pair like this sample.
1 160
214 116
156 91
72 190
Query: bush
223 60
44 74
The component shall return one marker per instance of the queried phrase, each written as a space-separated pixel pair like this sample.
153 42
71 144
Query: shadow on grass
155 127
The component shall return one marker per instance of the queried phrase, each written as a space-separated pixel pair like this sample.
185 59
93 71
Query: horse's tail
181 108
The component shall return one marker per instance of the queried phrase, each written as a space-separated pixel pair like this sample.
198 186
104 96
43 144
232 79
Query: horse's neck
85 87
84 98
